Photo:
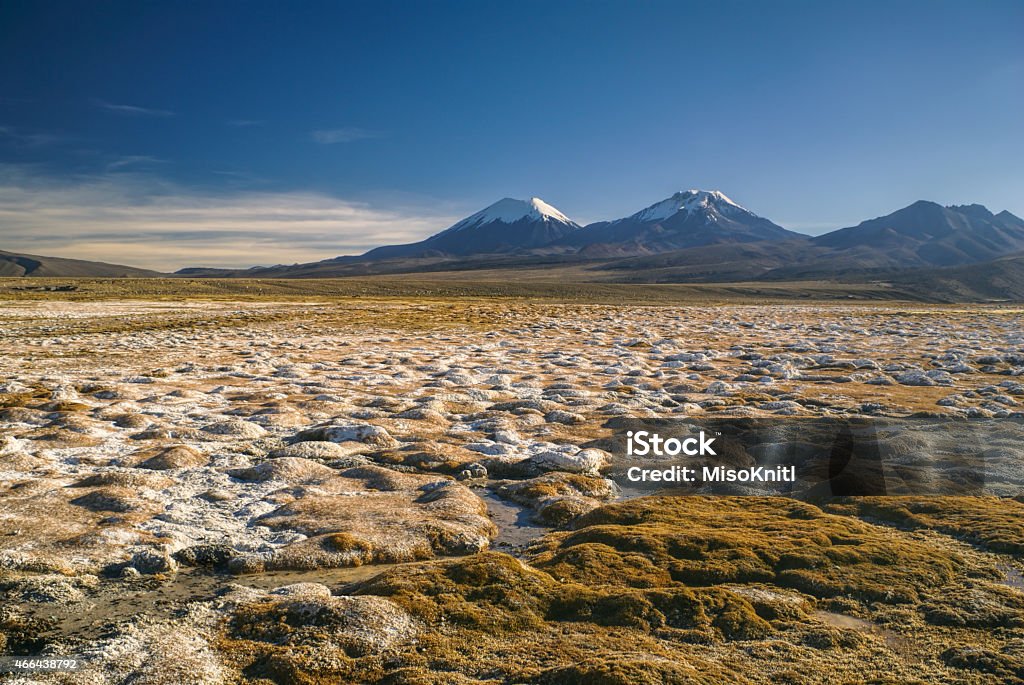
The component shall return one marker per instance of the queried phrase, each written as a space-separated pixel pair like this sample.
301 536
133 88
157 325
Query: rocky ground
417 491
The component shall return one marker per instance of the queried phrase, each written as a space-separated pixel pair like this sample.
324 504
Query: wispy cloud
342 135
25 138
132 110
136 219
134 161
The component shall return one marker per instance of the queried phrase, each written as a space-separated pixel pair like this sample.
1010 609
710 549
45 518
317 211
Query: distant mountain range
691 237
690 218
923 234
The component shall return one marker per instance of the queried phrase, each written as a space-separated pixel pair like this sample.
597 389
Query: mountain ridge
926 233
20 265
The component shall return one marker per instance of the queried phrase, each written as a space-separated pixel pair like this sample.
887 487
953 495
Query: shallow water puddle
516 529
1011 577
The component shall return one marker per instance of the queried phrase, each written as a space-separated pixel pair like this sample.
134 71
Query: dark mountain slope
928 234
14 264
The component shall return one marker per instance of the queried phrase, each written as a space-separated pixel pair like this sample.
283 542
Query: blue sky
177 133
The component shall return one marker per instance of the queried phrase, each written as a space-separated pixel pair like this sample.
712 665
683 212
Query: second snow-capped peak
690 201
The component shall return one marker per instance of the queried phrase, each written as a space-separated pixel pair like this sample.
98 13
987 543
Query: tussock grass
683 590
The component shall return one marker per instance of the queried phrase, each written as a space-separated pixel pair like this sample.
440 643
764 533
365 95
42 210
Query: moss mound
705 541
629 670
995 524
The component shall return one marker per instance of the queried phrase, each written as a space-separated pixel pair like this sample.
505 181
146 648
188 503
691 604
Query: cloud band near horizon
138 221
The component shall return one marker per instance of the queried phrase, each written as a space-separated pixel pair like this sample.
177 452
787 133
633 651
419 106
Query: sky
188 133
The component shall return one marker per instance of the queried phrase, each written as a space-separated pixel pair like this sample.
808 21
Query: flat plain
396 481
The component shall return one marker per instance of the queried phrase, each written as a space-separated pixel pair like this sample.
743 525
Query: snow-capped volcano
707 201
689 218
510 211
508 225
